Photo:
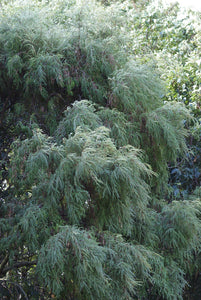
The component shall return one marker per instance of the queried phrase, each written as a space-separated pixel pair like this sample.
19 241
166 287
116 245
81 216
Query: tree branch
16 284
19 265
4 262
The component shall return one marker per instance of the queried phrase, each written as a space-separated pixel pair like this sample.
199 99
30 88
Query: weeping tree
83 207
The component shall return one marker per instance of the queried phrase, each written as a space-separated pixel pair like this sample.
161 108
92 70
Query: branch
19 265
3 263
16 284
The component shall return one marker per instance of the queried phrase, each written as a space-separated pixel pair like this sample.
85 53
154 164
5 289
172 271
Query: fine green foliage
83 208
168 38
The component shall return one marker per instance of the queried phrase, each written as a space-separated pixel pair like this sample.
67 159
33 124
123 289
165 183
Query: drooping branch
19 265
15 284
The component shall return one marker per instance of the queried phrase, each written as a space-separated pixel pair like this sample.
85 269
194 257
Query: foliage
168 37
82 206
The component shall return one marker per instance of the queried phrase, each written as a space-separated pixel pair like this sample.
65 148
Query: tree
168 37
82 209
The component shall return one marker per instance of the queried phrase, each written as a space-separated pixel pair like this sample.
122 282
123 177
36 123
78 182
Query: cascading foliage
83 214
